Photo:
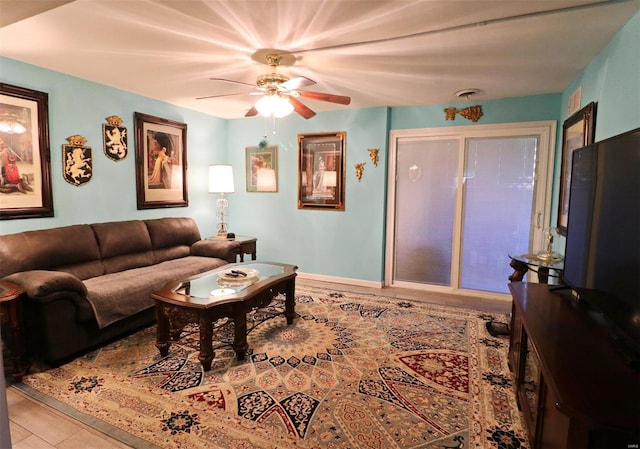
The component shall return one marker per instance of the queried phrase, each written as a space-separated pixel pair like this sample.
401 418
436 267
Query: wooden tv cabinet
574 389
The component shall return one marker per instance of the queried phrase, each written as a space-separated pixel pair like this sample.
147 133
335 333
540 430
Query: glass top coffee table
227 292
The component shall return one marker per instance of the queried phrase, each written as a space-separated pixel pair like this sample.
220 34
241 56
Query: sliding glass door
460 202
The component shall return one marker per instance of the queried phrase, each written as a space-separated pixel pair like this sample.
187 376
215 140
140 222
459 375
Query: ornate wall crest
77 161
472 113
373 154
114 137
359 170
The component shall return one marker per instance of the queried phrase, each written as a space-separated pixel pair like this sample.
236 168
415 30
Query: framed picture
577 131
25 177
161 162
262 169
321 169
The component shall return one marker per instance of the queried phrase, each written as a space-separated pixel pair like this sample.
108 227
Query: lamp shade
220 179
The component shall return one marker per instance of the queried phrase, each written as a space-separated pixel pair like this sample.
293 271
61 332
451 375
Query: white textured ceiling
391 52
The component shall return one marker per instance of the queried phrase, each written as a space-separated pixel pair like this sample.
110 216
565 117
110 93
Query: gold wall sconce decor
472 113
359 170
373 154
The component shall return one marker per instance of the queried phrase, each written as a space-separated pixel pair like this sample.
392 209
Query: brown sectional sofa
91 283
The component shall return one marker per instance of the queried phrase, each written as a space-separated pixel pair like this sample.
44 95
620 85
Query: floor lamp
221 182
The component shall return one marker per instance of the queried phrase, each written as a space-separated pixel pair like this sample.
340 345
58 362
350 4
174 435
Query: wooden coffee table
213 295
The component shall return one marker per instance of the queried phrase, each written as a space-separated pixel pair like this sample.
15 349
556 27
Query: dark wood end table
521 264
11 314
208 297
247 246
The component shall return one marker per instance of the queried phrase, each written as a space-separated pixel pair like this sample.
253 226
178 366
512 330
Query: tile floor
34 425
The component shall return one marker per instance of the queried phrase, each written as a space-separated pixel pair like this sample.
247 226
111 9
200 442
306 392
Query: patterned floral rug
354 371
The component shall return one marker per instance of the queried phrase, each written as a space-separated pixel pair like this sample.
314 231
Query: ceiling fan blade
251 112
223 95
232 81
301 109
340 99
296 83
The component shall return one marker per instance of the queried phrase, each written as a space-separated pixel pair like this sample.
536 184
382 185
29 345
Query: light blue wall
346 243
77 106
612 80
507 110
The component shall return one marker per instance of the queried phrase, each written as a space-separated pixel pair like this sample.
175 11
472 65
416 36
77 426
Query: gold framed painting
577 131
161 162
321 170
25 177
262 169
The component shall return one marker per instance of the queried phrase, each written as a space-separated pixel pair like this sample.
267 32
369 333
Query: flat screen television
602 254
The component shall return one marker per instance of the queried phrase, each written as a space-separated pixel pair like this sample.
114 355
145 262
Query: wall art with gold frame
321 170
25 182
161 162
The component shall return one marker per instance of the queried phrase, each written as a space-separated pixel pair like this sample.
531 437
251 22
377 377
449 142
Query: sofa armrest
39 284
222 249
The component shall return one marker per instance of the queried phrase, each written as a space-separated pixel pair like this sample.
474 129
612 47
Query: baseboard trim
341 280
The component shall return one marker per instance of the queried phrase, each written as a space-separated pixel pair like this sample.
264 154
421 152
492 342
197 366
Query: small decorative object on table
238 276
548 254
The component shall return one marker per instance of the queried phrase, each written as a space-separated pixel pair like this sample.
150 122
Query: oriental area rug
354 371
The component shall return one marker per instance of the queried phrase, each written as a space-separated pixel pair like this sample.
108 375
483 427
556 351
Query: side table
532 262
521 264
247 246
11 314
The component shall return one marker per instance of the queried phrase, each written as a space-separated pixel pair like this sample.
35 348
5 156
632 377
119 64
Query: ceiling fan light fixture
274 106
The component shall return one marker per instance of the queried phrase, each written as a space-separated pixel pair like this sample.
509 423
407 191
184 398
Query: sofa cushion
173 252
48 249
167 232
122 237
84 270
116 296
123 245
224 249
41 283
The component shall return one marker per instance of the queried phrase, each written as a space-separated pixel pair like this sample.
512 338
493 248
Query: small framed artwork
321 170
161 162
577 131
262 169
25 177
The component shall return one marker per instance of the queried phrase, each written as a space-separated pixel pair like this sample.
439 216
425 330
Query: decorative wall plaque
77 161
373 154
359 170
472 113
114 137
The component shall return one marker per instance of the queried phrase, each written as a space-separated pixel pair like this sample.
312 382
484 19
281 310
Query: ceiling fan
280 93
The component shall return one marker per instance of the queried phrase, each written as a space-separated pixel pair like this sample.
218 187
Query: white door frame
543 189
